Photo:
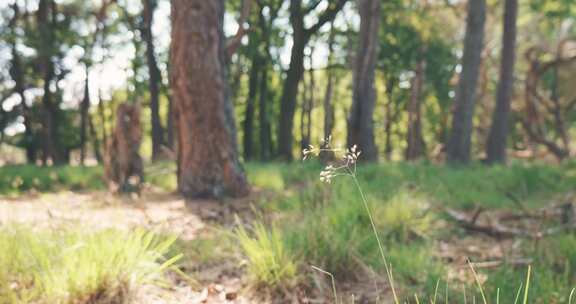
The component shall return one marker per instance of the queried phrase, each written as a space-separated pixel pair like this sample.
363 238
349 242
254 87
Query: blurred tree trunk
46 15
415 141
328 106
266 148
307 105
326 155
95 140
208 164
265 22
248 125
301 36
360 121
17 74
123 165
389 117
496 145
458 151
84 110
170 138
154 79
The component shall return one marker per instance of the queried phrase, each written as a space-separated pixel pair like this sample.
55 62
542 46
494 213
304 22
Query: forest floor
434 223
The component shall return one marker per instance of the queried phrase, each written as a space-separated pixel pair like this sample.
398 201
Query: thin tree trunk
46 9
95 140
462 122
301 36
17 74
248 125
389 117
208 164
360 122
328 107
294 75
266 148
496 145
415 141
84 109
154 80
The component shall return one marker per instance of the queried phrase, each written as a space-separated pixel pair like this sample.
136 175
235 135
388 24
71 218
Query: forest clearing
287 151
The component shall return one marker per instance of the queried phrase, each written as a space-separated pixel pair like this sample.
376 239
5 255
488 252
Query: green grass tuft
74 266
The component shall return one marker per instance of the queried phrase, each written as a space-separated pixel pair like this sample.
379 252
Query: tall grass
328 226
75 266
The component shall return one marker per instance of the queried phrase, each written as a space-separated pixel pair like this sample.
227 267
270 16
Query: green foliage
17 179
269 262
327 226
75 266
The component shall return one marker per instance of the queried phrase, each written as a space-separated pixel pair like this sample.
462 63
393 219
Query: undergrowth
76 266
327 226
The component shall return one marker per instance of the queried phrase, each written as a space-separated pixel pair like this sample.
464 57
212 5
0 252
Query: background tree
496 145
300 38
360 122
458 150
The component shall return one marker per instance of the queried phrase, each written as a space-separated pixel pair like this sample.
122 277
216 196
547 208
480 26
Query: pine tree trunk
248 125
208 164
360 122
388 149
496 146
288 102
154 80
266 148
84 108
50 108
415 141
459 145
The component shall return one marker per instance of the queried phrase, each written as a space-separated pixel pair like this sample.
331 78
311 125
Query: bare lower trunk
415 142
360 122
123 165
248 125
208 164
84 108
389 117
459 145
496 145
154 80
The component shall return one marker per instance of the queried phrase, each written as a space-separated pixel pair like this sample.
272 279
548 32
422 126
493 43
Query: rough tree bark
208 164
301 36
123 165
154 79
497 138
360 121
415 141
458 151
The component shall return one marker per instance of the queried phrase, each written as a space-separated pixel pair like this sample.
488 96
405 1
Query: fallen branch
495 230
497 263
500 231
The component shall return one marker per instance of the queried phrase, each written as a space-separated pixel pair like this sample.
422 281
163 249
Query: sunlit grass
77 266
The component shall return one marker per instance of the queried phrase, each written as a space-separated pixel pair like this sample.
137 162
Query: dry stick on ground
500 231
